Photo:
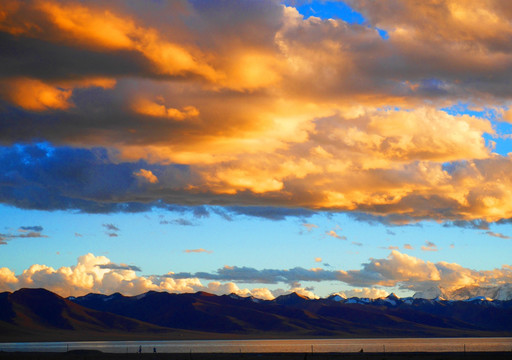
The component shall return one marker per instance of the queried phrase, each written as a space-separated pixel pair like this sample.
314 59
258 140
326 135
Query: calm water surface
308 345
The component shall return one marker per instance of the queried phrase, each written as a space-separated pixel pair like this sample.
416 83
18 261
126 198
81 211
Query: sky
255 147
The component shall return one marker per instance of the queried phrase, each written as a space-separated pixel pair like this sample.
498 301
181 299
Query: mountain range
38 314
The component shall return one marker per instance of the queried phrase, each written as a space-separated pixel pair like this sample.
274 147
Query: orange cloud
147 175
150 108
334 234
276 110
188 251
35 95
75 24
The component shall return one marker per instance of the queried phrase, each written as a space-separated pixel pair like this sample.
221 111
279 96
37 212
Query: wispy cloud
23 232
112 266
112 230
201 250
179 221
429 246
309 227
498 235
334 234
36 228
111 227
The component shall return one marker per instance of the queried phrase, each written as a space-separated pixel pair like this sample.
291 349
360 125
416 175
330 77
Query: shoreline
98 355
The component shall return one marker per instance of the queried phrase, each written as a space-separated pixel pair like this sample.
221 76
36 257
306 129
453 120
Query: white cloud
371 293
99 274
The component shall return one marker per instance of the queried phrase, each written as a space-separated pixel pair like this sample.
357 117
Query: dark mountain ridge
38 314
294 313
32 314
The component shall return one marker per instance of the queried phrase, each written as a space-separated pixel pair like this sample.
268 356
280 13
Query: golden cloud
278 110
147 175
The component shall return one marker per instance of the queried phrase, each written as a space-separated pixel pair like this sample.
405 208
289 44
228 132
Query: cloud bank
111 106
376 278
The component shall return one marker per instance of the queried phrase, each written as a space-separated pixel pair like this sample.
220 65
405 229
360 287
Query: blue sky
254 147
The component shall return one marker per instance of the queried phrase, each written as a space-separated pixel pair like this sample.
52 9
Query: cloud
269 115
99 274
333 234
408 247
266 276
371 293
179 221
146 107
498 235
112 230
188 251
429 246
318 259
24 232
270 213
309 227
474 224
147 176
36 228
113 266
111 227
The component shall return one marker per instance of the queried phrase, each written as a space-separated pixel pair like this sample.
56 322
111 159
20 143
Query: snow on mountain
392 299
431 293
504 292
501 292
337 297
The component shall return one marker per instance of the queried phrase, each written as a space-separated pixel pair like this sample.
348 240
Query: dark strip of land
98 355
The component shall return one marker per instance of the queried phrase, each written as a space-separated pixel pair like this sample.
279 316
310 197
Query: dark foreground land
97 355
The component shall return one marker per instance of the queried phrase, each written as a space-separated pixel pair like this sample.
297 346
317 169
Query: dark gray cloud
266 276
113 266
24 232
179 221
498 235
36 228
270 213
111 227
474 224
50 61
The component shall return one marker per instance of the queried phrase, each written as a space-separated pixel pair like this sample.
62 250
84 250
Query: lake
261 346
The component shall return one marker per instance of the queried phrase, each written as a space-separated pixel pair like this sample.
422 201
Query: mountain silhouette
38 314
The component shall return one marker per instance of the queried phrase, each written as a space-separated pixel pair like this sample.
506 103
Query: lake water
248 346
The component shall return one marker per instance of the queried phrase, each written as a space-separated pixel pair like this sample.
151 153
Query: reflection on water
248 346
